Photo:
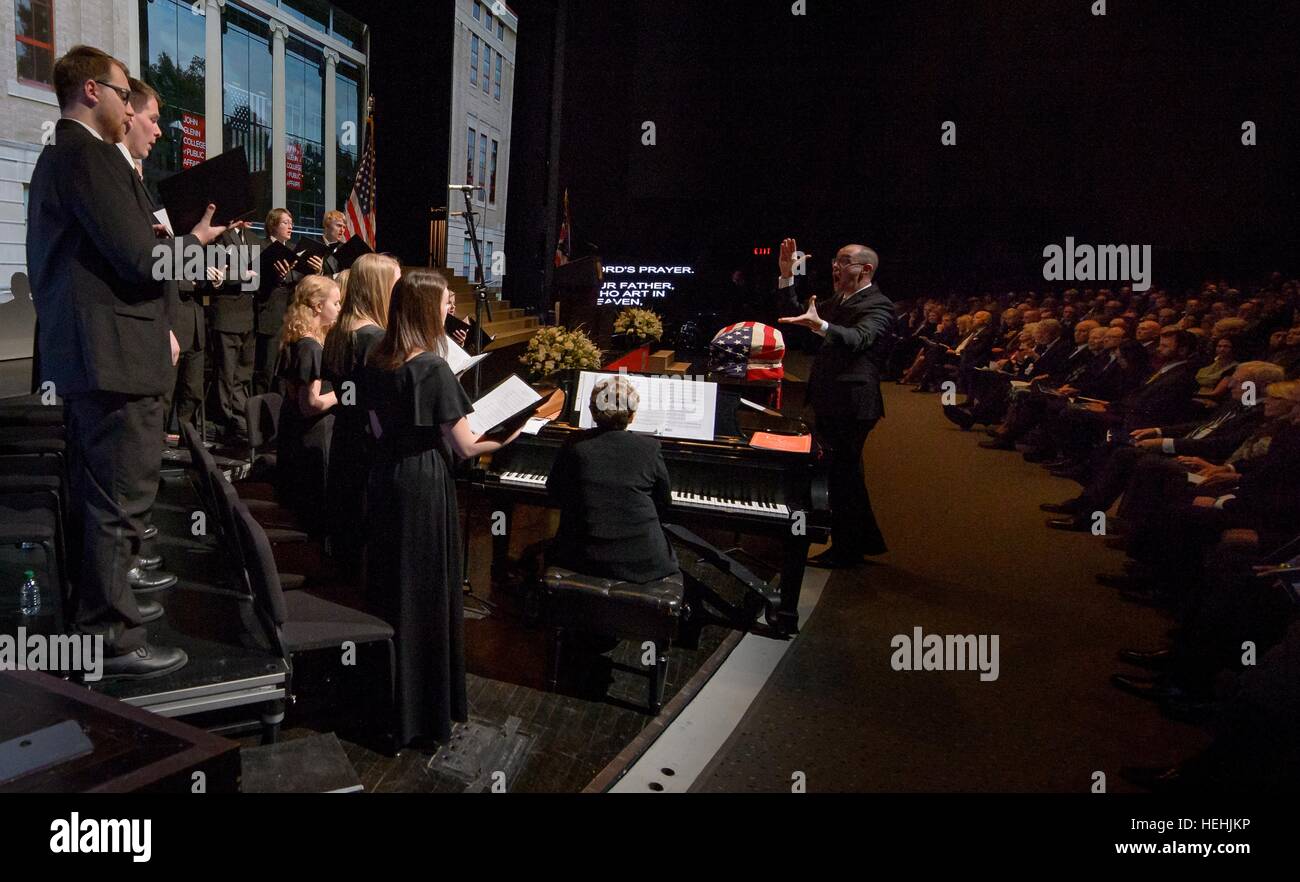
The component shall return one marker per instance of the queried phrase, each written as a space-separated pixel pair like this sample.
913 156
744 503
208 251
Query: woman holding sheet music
359 329
417 415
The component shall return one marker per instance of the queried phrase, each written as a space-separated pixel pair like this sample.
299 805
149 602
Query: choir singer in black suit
858 331
104 343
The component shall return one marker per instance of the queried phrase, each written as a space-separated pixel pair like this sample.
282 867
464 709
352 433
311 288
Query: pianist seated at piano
612 486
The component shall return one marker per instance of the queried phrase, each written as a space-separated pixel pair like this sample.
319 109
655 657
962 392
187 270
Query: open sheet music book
458 359
505 404
669 406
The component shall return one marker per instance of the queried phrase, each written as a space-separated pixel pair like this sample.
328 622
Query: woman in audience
360 326
1213 379
305 422
417 413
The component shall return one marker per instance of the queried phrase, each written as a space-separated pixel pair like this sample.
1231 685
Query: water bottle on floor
30 595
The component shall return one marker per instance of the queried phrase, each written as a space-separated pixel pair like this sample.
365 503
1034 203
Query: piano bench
627 610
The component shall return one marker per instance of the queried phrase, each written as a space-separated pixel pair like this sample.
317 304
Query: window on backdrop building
466 261
34 36
246 68
350 119
469 156
482 160
347 30
305 134
313 13
487 261
487 69
173 49
497 87
501 29
478 10
473 59
492 175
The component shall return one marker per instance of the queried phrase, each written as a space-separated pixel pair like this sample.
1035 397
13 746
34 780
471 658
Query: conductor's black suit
104 344
844 391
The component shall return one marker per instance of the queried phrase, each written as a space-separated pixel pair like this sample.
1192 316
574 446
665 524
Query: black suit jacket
1162 398
612 486
979 347
232 306
845 377
1238 423
90 254
1269 489
1053 360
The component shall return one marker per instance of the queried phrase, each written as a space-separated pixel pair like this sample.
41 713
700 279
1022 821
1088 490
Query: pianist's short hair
614 402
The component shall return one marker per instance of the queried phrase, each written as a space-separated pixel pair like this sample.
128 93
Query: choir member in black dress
305 419
612 486
360 326
413 561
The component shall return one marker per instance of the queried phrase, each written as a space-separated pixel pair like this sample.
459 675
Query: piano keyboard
682 498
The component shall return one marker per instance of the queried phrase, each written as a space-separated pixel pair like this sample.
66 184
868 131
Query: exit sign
762 251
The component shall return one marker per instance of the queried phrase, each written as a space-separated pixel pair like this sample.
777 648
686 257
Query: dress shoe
150 532
1070 506
150 610
959 415
145 663
1039 455
1161 779
1155 688
830 559
993 431
998 443
1073 524
148 561
1061 462
1156 660
145 581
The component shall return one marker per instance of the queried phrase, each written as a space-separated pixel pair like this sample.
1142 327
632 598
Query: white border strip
690 742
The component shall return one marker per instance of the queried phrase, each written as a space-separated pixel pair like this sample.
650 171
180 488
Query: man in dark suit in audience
857 334
104 343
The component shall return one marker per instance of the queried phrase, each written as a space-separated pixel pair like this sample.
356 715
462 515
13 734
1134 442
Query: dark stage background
1117 129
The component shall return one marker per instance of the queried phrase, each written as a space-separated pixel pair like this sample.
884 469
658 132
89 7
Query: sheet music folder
502 407
222 181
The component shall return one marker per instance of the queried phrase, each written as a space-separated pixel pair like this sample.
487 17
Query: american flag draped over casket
749 351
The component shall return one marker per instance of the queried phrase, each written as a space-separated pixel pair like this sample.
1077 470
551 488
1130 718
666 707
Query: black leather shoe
150 610
1162 779
150 532
145 663
148 562
830 559
959 415
1069 507
1073 523
1157 660
997 443
145 581
1155 688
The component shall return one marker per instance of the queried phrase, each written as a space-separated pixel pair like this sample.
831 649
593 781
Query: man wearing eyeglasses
104 344
858 331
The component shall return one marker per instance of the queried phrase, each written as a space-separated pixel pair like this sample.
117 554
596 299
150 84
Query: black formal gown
303 453
413 549
350 449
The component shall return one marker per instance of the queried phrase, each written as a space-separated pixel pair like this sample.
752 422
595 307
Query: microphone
464 187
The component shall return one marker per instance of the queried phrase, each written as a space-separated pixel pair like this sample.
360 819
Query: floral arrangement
642 324
554 348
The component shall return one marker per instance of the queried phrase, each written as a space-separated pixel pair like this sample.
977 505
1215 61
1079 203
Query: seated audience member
1212 381
612 487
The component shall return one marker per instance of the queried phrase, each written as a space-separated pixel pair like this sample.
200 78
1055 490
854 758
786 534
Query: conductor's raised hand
787 257
205 231
810 319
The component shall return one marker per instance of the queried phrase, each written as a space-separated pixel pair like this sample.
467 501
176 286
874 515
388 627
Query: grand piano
722 484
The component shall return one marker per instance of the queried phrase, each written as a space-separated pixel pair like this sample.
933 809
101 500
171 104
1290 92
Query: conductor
857 328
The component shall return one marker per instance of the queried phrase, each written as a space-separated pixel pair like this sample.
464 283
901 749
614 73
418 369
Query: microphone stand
480 304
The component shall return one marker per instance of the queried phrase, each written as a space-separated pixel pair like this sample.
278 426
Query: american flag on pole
565 247
360 211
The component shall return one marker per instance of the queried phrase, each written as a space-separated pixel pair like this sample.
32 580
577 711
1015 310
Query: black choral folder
350 250
222 181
